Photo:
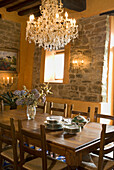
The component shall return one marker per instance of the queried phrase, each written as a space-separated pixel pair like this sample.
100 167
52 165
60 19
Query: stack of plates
71 128
54 123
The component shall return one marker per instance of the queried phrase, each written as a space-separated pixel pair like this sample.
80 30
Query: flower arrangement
32 97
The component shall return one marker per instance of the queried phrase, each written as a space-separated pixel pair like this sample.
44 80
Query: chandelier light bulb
71 22
82 61
75 62
57 15
31 18
74 21
66 15
53 29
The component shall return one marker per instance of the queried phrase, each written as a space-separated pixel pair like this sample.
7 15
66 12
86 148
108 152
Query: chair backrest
27 137
57 109
106 138
8 136
2 105
43 107
96 116
74 112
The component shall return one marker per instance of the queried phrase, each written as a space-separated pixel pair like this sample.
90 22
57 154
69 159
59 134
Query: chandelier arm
52 30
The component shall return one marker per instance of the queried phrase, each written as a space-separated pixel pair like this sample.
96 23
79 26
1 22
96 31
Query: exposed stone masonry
9 39
88 82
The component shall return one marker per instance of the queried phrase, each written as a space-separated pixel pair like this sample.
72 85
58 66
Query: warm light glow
53 29
71 22
66 15
7 80
31 18
3 80
57 15
49 67
82 61
75 62
11 79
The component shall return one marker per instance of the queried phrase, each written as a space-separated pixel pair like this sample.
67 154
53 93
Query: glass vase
31 112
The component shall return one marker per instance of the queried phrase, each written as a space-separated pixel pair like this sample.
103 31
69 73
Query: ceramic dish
53 126
71 129
54 119
60 128
80 120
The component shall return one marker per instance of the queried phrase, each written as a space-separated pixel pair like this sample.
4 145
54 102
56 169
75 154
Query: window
55 66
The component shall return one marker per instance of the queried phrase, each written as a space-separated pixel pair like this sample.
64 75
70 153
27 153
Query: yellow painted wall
94 7
26 50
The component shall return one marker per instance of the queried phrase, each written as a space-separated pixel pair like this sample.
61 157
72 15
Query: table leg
73 159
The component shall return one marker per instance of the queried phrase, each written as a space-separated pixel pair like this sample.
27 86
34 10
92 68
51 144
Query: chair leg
1 162
16 167
113 155
113 152
54 155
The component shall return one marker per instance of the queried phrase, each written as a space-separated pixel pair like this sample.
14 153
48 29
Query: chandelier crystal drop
53 29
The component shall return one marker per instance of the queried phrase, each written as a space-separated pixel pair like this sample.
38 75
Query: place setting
67 125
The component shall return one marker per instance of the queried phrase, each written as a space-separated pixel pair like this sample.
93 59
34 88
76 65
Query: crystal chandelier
52 30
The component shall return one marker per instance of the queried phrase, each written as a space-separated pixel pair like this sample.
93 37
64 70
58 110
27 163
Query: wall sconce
78 63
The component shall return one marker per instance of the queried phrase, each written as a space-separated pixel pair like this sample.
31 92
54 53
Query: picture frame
9 60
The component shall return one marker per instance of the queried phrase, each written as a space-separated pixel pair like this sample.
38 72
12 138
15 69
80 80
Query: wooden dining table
73 147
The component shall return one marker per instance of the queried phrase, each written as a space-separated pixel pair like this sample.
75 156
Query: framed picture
9 60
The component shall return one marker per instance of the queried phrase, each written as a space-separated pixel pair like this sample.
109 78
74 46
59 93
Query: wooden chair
42 107
41 162
7 136
99 163
74 112
96 116
57 109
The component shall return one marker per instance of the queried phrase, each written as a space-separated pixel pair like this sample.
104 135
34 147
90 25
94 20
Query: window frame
66 65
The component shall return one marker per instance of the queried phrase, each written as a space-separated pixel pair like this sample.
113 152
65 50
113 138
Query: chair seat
8 154
93 165
5 146
52 164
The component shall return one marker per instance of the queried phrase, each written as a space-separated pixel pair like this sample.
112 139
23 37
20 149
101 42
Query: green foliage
8 99
14 60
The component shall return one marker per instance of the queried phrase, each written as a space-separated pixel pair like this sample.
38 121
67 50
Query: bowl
53 126
71 128
54 119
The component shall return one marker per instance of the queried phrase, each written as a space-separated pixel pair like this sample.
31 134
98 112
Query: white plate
72 129
48 123
54 119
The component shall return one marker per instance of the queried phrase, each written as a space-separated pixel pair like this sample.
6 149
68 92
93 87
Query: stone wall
9 39
87 82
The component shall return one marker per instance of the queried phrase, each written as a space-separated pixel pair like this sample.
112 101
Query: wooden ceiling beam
76 5
22 4
6 2
29 11
111 13
37 14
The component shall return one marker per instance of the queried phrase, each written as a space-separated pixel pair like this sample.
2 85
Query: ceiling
27 7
